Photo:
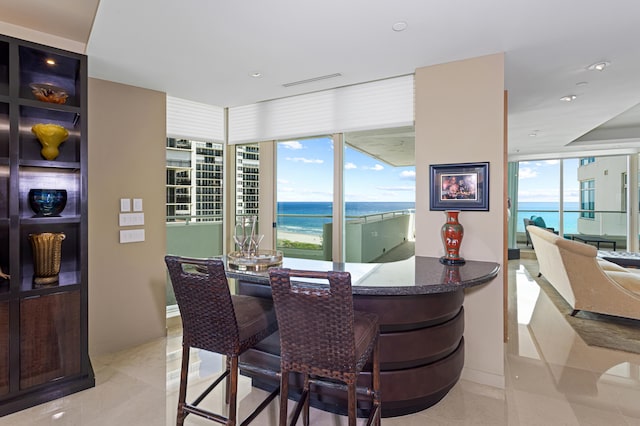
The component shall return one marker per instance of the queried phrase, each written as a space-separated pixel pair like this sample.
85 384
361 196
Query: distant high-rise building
194 180
247 179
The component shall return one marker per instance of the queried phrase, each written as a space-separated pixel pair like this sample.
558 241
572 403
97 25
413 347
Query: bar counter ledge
419 304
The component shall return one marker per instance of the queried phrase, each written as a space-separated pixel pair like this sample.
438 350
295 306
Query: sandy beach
303 238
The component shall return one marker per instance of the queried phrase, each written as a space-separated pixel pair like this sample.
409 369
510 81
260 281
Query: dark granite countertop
416 275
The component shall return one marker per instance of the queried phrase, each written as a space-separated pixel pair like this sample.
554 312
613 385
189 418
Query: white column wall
459 112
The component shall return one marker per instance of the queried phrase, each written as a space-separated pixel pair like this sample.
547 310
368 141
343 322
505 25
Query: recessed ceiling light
50 62
568 98
399 26
255 74
598 66
533 134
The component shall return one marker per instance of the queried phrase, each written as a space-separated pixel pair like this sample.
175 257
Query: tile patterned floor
552 378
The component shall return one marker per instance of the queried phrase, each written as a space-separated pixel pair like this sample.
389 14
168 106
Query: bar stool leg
182 395
233 397
307 392
351 396
284 397
227 388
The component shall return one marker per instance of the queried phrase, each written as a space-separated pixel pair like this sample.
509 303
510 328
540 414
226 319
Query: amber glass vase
452 233
47 247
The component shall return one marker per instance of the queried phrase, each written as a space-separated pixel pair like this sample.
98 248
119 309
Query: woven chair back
204 300
315 321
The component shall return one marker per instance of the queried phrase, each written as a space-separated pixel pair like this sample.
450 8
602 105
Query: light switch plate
131 219
131 236
137 204
125 205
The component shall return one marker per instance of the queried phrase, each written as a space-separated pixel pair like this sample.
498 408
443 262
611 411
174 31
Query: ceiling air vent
311 80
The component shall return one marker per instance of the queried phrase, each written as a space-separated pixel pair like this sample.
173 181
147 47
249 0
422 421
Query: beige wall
23 33
460 118
126 160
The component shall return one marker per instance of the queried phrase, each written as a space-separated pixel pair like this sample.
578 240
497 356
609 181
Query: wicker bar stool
322 337
216 321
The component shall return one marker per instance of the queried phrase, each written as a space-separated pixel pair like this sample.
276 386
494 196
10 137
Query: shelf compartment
30 146
49 338
70 259
36 69
4 348
35 177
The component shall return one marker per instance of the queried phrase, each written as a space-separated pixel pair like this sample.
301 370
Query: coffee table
625 259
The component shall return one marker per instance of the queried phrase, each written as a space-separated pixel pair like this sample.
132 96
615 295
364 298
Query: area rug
601 330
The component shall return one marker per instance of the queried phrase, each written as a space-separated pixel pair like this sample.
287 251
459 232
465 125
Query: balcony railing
611 224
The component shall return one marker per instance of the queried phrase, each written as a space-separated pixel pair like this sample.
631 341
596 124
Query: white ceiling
204 50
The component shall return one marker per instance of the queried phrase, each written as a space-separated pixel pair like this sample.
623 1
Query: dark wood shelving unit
43 329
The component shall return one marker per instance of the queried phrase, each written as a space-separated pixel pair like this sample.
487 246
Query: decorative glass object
246 237
50 137
47 248
47 202
259 261
49 93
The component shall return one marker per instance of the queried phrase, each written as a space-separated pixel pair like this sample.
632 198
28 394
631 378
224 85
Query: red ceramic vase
452 233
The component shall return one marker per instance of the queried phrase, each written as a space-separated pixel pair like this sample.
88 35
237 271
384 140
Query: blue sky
540 181
305 173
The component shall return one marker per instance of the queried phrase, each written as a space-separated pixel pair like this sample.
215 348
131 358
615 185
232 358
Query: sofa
584 281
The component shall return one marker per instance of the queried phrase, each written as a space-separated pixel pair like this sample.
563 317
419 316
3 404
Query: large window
304 197
587 199
379 194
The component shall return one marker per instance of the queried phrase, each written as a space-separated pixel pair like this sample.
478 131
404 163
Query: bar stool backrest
203 296
315 322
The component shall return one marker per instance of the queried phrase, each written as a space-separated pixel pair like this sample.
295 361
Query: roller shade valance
380 104
194 120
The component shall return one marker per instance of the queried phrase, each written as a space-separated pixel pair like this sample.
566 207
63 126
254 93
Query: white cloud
376 168
283 181
396 188
292 145
408 175
349 166
527 173
552 162
305 160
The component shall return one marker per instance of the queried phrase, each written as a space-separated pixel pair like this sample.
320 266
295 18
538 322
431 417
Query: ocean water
308 217
549 211
319 213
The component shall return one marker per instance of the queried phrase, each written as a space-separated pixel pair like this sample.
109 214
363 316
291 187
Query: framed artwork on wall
462 186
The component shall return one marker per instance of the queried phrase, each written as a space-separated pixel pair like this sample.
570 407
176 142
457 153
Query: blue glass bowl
47 202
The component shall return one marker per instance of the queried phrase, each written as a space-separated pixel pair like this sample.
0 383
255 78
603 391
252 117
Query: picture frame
463 186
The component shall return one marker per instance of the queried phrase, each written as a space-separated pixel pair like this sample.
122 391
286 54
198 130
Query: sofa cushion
610 266
627 280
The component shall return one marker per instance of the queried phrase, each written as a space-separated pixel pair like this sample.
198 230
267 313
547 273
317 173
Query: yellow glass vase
50 137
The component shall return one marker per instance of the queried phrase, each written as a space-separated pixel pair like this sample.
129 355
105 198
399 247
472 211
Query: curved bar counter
419 304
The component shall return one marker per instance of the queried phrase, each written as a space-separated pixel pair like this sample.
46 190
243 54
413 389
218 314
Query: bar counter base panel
421 317
421 352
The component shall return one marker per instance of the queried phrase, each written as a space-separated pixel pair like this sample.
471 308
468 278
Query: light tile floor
552 378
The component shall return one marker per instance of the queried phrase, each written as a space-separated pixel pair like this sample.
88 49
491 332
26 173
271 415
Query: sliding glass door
305 197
